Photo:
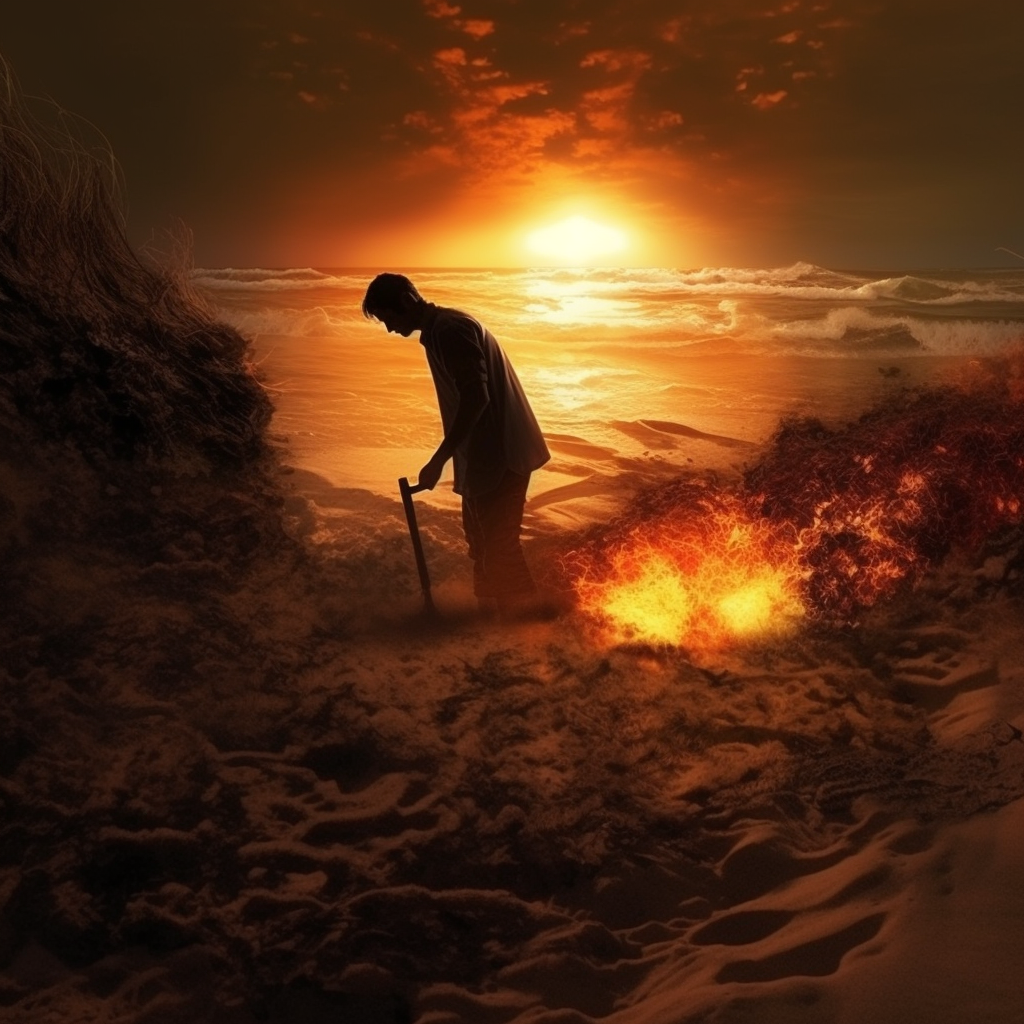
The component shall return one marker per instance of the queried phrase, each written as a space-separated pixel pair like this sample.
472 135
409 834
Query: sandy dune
278 802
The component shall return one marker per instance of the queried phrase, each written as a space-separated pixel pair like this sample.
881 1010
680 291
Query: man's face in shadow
403 320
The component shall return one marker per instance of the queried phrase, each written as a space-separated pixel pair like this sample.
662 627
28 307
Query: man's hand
431 473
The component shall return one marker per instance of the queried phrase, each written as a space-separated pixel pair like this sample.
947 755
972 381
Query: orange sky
849 133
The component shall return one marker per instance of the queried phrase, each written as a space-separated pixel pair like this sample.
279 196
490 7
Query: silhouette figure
490 434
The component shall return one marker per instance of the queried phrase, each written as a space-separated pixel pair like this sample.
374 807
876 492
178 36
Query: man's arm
473 399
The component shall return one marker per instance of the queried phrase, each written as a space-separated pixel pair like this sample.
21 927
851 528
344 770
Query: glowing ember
828 524
654 601
763 606
700 578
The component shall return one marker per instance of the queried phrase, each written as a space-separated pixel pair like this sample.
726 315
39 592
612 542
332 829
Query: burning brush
826 525
689 565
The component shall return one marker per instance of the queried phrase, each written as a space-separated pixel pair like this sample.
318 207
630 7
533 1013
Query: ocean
633 374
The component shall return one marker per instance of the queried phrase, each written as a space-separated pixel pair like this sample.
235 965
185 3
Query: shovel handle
414 534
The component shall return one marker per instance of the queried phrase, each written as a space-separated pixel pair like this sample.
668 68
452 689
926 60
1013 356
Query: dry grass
100 346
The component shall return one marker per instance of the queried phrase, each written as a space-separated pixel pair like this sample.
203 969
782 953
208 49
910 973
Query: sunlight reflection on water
606 356
574 302
588 302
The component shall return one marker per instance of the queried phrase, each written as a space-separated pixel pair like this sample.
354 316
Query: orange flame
700 579
828 524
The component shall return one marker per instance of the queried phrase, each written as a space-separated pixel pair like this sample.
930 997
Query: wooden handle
414 534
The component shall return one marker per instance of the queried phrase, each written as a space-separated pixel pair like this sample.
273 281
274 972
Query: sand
281 795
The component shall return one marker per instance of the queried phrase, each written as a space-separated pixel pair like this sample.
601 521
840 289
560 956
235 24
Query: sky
867 134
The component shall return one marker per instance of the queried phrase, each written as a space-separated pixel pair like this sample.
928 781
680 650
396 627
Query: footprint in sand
394 804
758 865
742 928
816 958
353 765
333 809
933 679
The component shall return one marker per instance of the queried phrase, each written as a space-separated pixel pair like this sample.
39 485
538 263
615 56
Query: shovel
417 546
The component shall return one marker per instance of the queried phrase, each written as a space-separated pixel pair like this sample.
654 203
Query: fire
651 599
699 574
829 523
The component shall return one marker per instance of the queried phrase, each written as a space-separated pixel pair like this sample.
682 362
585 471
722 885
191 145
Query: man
490 434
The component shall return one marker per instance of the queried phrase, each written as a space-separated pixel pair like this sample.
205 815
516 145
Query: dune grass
101 346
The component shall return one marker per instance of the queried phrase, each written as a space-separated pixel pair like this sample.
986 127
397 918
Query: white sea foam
255 279
723 351
797 309
800 309
317 321
801 281
852 330
966 337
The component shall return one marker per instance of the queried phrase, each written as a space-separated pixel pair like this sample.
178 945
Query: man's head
394 301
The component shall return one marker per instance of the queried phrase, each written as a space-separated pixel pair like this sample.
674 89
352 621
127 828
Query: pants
492 521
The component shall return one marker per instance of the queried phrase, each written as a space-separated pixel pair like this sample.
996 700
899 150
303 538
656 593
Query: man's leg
472 527
505 576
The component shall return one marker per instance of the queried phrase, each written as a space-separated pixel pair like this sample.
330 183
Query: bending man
490 434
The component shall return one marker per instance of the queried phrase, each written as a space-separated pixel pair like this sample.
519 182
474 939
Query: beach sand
281 794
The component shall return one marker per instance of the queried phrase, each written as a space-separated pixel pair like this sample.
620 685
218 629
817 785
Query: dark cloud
834 130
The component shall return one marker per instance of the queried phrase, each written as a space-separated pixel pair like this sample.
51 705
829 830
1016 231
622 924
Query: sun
577 241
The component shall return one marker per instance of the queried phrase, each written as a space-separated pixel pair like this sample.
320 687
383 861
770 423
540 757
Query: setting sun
577 240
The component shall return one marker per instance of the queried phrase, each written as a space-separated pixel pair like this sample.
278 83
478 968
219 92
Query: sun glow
577 241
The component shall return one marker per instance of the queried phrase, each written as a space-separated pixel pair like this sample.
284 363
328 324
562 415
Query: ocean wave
799 281
852 330
966 337
799 309
924 291
259 279
311 322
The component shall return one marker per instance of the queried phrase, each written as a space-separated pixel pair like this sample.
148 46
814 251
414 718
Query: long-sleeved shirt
464 358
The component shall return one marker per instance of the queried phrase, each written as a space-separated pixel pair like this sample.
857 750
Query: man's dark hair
386 292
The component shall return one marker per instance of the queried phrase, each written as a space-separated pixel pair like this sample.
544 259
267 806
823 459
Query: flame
829 523
700 578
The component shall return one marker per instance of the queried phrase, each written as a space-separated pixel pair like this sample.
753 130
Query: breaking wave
800 309
799 281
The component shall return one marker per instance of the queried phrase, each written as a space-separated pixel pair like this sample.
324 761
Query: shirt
464 357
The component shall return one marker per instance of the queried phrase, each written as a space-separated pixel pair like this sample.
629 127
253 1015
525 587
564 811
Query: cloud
568 30
767 100
422 120
450 58
440 9
672 30
632 61
477 27
606 110
744 75
730 103
663 120
887 106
